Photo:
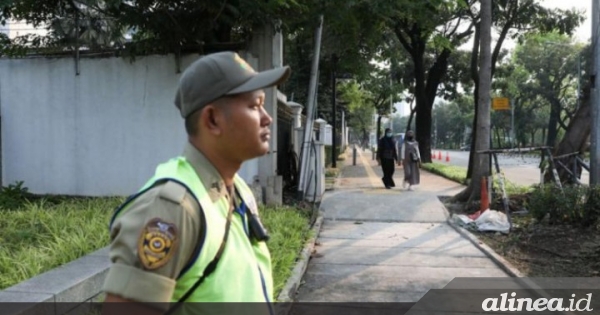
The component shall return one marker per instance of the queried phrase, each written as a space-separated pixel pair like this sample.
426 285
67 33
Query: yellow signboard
500 103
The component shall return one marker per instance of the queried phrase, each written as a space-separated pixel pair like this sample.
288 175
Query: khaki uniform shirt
132 276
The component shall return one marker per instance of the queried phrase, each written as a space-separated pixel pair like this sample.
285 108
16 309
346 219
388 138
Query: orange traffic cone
485 200
447 156
440 155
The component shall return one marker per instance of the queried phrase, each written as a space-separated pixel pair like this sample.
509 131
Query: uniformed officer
169 242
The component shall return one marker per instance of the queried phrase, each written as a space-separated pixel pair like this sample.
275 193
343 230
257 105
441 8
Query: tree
158 26
577 135
551 60
360 111
381 93
434 28
482 138
513 18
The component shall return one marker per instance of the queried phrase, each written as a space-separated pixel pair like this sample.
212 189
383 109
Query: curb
293 282
495 257
489 252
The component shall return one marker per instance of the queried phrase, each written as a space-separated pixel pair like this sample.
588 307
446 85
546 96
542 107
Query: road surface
518 169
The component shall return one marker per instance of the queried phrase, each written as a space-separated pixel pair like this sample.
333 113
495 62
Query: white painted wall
100 133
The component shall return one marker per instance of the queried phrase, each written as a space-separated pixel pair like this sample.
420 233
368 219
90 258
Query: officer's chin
264 148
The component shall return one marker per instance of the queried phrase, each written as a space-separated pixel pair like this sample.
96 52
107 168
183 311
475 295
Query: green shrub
542 201
13 197
577 205
591 209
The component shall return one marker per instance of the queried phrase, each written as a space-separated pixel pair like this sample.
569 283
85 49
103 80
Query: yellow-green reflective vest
244 271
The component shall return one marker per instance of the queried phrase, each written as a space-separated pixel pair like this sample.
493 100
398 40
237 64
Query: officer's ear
211 120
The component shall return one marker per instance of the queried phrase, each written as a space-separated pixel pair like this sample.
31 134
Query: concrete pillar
343 133
328 135
267 46
321 123
297 137
316 182
297 112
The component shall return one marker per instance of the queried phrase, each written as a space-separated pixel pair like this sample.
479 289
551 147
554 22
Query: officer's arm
150 245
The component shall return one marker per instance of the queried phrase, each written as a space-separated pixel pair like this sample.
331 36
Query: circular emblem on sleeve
157 244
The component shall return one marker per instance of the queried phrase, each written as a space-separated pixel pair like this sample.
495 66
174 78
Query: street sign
500 103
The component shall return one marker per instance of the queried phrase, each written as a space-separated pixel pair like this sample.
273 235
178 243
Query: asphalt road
519 169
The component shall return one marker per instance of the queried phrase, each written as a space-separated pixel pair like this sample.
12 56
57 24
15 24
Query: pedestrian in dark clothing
411 160
387 155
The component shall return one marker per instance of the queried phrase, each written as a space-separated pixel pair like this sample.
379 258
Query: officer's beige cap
220 74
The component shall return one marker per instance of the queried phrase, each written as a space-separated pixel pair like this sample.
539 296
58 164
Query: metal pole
512 124
594 148
334 112
579 80
391 101
308 132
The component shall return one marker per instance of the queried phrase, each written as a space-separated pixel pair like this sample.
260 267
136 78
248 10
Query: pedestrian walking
192 233
387 155
411 161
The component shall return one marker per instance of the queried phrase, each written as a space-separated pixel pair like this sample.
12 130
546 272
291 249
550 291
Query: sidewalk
379 245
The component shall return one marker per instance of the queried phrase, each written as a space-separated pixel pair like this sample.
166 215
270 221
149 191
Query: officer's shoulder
169 191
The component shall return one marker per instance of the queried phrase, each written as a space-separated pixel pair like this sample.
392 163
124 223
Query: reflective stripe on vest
244 272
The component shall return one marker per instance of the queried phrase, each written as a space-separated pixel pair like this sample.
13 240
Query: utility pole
334 111
512 124
391 100
595 148
308 132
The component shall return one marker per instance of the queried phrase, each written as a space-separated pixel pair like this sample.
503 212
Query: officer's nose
265 118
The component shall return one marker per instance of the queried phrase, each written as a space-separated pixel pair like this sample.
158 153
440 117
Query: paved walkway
379 245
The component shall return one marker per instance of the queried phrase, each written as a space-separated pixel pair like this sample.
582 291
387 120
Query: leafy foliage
156 26
13 196
577 205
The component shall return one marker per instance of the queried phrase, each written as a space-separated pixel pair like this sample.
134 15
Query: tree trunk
532 142
553 124
543 135
378 133
482 141
575 140
499 143
410 119
475 78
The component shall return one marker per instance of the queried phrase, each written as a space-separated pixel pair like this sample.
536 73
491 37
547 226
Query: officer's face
247 131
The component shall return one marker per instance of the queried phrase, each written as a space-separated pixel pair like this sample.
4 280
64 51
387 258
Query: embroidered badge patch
157 244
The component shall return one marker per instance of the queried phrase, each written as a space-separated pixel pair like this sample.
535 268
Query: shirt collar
210 177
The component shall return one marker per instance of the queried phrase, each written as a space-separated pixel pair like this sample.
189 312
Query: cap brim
262 80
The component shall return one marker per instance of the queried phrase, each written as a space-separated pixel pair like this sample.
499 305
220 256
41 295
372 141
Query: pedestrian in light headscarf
411 161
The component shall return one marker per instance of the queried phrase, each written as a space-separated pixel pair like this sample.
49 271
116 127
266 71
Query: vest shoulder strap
173 192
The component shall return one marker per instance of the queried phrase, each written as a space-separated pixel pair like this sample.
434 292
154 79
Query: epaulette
173 192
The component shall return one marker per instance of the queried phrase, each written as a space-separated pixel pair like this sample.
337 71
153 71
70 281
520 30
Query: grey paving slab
390 234
378 245
330 282
358 295
386 256
384 205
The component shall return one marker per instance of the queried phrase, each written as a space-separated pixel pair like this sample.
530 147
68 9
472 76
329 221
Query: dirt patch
539 249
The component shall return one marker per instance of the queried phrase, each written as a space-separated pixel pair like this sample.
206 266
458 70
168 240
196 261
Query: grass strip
43 235
451 172
459 175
